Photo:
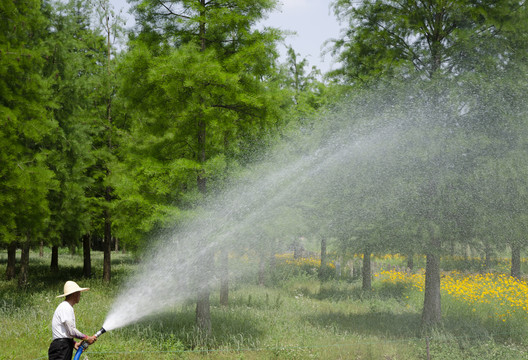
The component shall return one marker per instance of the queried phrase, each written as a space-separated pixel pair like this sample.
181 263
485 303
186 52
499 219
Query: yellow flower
503 292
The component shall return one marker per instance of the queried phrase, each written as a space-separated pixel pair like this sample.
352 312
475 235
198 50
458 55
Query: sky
311 20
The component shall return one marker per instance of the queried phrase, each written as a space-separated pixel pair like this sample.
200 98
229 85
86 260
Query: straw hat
71 287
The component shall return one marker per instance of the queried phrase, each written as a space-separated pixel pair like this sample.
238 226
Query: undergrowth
297 317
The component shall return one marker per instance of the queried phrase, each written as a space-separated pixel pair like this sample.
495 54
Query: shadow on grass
473 328
379 319
42 280
383 324
335 291
176 331
389 325
257 300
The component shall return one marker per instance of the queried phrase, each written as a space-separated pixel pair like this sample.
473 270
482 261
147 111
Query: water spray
84 344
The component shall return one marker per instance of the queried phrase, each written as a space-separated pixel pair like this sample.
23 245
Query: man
63 325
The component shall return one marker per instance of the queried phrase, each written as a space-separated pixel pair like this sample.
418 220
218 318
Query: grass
296 318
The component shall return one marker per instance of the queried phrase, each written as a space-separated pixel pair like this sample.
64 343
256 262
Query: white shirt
63 323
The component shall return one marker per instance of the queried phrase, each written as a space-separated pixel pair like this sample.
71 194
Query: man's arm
77 334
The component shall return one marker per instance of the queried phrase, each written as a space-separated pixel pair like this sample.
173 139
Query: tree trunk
262 270
11 260
224 278
24 263
356 268
41 249
322 268
367 280
432 311
107 241
487 257
410 261
272 261
202 131
297 249
87 256
54 265
107 245
203 314
516 261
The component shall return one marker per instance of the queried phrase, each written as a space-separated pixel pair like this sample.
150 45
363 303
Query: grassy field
298 318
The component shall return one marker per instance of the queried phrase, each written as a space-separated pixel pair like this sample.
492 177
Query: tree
430 40
74 52
502 202
110 29
194 76
499 113
102 128
388 38
27 123
308 92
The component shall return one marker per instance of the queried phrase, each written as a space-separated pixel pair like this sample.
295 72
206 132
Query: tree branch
170 11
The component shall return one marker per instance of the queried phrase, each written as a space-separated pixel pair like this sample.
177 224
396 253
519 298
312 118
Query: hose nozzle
84 344
100 332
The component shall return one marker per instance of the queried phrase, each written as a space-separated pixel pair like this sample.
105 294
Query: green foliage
75 54
200 106
27 124
308 93
438 38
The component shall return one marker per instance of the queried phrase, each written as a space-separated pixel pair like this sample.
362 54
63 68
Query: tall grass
293 317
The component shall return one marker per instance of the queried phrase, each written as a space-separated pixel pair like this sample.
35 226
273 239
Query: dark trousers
61 349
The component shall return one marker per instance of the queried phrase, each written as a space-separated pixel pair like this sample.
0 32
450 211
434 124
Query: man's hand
76 345
90 339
